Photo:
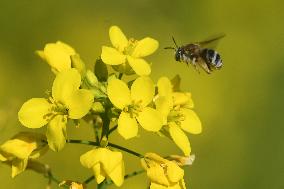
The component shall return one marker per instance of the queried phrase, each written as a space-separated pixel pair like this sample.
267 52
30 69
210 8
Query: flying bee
197 54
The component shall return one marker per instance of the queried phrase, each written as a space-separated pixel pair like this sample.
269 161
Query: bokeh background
241 106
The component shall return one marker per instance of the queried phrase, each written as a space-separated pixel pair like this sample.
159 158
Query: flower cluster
103 99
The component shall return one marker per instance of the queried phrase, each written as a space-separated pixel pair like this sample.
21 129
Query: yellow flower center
134 108
176 116
130 47
57 109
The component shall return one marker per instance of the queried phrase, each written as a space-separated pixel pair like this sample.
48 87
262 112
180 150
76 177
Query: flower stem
74 141
88 180
102 185
125 150
112 129
109 144
120 76
109 182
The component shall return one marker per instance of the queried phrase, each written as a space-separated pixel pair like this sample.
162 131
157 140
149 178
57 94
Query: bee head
178 54
178 50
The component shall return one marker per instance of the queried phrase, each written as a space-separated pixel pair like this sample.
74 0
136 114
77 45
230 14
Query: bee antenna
175 42
169 48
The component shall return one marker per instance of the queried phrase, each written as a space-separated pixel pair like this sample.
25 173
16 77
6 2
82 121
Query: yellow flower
133 104
22 147
57 55
72 184
67 101
177 114
128 51
162 172
104 163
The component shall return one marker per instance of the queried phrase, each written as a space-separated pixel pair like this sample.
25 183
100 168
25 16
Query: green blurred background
240 106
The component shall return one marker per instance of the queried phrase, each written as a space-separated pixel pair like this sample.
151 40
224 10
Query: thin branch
74 141
88 180
109 182
120 76
112 129
125 150
109 144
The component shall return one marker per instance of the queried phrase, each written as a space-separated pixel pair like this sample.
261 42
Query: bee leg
209 67
205 67
195 65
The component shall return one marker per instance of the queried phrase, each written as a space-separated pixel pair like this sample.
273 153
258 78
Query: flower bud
77 62
98 107
91 78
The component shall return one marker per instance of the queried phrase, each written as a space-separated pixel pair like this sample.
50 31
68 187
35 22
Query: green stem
134 174
112 129
74 141
88 180
101 186
109 144
109 182
125 150
52 178
106 122
120 76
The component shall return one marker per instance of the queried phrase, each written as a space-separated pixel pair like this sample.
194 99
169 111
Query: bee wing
204 65
212 41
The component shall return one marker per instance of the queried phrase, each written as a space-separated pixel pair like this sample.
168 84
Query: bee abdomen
212 57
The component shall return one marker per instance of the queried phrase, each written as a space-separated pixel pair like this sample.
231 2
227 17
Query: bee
197 54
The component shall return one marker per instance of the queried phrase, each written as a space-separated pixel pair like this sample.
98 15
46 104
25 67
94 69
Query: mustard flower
177 114
129 52
104 163
22 147
133 105
72 184
67 101
163 174
57 55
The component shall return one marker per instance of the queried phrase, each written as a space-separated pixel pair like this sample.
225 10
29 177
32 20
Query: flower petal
18 148
118 93
65 84
33 112
150 119
58 55
165 87
183 99
191 123
157 186
145 47
112 56
164 105
180 139
99 173
56 133
117 38
87 159
109 159
117 175
174 172
106 157
142 90
79 103
174 186
139 65
127 126
157 175
18 166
